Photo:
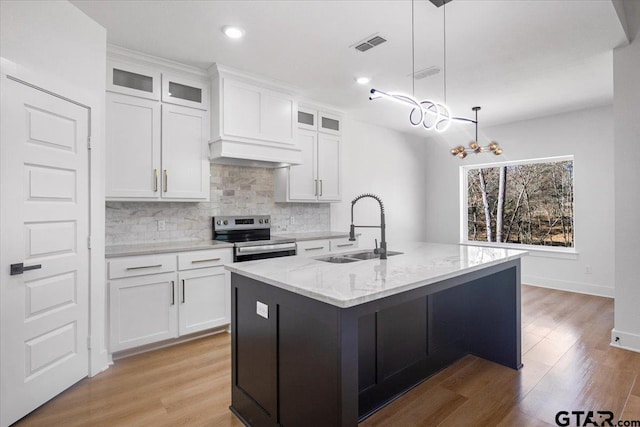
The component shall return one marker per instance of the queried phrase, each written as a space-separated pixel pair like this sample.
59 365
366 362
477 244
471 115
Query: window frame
555 251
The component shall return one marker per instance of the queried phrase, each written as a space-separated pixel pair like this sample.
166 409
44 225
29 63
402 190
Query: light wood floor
569 365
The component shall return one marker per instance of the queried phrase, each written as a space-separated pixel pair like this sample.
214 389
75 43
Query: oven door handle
261 249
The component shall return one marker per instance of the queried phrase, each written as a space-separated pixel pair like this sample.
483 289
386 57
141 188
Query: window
523 203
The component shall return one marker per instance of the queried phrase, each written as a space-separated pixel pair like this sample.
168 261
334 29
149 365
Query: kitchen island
316 343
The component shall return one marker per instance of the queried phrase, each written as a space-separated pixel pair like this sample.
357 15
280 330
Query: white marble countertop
350 284
163 247
314 235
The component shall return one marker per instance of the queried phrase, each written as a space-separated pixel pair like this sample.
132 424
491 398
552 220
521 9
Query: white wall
586 134
626 63
389 164
53 45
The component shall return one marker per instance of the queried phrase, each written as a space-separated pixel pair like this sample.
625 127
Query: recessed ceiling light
363 80
233 32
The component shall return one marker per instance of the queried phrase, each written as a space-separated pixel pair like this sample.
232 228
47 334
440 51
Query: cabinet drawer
140 265
343 244
202 259
313 247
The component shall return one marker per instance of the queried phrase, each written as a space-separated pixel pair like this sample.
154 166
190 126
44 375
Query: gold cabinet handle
166 180
321 187
205 260
315 193
155 180
144 266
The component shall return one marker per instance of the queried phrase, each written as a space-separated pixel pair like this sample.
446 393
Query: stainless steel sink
353 257
337 259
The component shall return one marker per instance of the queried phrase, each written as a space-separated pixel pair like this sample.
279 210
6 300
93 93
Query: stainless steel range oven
251 237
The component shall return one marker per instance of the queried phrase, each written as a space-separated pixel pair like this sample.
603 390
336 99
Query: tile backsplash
235 190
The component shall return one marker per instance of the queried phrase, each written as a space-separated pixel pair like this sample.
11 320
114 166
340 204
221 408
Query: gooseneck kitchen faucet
352 231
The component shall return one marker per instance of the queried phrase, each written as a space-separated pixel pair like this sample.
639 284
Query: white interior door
44 220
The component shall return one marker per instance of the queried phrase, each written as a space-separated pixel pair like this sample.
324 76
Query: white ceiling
516 59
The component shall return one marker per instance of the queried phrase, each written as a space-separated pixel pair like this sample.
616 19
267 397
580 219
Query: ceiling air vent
363 47
424 73
369 43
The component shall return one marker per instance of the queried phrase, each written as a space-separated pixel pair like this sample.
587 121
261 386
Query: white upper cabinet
156 151
303 183
318 178
185 92
132 147
185 168
329 178
133 79
253 123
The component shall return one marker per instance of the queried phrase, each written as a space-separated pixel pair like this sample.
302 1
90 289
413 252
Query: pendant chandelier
429 114
474 146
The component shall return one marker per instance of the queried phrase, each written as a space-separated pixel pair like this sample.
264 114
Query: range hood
254 121
241 153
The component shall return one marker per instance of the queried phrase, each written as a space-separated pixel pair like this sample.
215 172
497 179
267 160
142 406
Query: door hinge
88 343
89 242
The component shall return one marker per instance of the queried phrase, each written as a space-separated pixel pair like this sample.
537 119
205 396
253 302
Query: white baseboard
625 340
566 285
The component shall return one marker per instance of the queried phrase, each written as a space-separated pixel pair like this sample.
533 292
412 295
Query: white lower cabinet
159 297
143 310
204 299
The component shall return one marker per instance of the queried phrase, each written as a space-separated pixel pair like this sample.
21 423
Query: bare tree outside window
526 203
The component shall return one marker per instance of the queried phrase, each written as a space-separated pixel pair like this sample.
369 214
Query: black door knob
21 268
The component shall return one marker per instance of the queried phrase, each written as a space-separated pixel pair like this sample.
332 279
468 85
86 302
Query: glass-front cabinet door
307 118
135 80
188 93
328 123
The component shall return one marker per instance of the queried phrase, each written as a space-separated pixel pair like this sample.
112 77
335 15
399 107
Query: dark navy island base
314 364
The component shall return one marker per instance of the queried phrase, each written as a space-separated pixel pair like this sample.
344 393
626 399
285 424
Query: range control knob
225 222
218 222
260 221
266 220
